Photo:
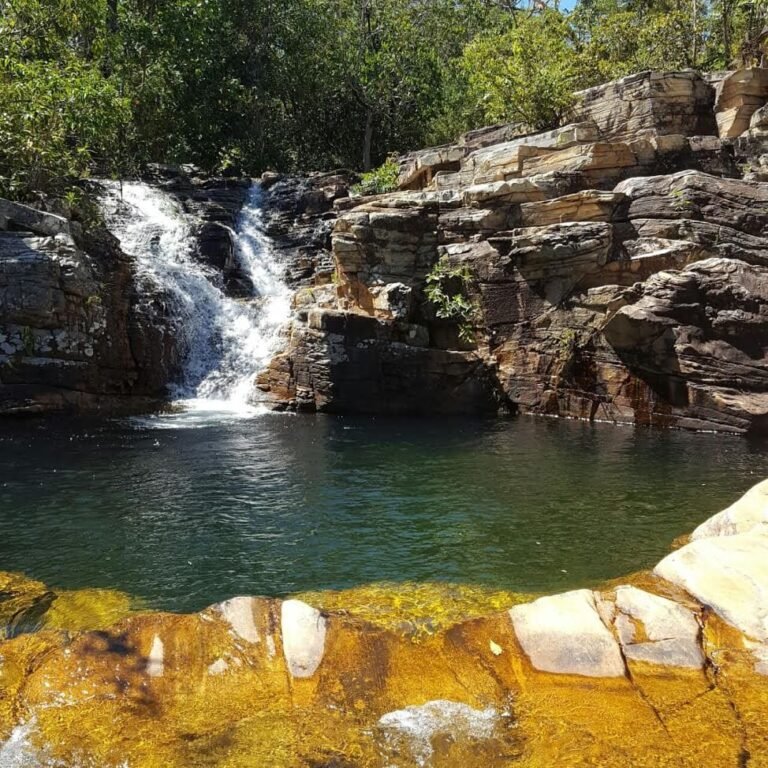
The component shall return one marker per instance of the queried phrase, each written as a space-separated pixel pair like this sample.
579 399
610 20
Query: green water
188 515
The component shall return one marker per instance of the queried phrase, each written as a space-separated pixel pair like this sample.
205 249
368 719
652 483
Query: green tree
526 74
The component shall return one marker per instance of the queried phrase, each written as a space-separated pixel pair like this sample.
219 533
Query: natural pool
183 512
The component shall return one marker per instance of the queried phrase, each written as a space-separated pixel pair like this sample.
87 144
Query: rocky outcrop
299 218
76 332
664 669
214 204
609 269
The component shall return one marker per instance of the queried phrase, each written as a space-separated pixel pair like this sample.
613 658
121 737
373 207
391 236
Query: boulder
729 574
739 95
701 333
649 103
590 205
656 630
749 513
76 330
565 634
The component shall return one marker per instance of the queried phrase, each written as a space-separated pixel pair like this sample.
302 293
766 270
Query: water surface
187 511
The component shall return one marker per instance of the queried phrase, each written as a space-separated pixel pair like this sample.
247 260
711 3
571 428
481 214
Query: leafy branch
446 289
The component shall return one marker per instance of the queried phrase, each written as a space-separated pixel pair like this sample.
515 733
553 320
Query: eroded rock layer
610 269
77 332
665 669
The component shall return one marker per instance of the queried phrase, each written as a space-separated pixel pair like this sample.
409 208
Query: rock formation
612 268
668 668
76 331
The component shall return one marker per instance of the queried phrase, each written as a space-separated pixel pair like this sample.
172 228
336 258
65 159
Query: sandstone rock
75 332
726 216
656 630
23 217
565 634
418 169
758 123
649 102
590 205
511 191
303 631
698 332
738 96
599 161
749 513
499 162
729 574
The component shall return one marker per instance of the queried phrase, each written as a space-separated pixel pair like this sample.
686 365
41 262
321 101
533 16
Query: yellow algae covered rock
414 608
27 605
81 609
666 670
23 602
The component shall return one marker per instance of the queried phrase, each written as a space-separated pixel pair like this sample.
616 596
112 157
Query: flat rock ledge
668 668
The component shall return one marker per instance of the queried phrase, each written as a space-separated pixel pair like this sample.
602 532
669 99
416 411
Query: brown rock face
76 332
555 273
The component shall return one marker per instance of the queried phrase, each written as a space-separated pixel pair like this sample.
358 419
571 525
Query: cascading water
224 341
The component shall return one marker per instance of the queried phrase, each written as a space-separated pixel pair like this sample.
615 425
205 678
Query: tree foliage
105 86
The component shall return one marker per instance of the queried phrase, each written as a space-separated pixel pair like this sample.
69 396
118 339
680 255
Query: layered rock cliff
613 268
77 330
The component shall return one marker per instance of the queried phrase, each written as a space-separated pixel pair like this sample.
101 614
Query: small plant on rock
447 291
380 180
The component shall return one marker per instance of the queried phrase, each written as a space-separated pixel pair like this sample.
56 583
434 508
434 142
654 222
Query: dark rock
76 332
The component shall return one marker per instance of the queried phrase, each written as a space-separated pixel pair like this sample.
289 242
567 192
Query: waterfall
224 341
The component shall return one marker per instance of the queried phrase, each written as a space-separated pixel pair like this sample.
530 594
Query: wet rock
656 630
76 330
299 217
214 203
303 630
281 682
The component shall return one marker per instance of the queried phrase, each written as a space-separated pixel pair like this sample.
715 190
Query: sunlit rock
748 513
657 630
303 629
727 573
565 634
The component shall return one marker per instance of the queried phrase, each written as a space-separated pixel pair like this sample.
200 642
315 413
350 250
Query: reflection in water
278 504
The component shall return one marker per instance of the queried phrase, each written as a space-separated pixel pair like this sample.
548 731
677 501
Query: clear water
275 504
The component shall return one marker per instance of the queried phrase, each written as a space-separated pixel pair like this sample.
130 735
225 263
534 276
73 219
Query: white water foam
17 751
419 725
224 341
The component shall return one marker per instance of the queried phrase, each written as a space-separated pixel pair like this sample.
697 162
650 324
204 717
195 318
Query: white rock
565 634
155 663
749 511
303 629
671 629
238 611
760 652
218 667
727 573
